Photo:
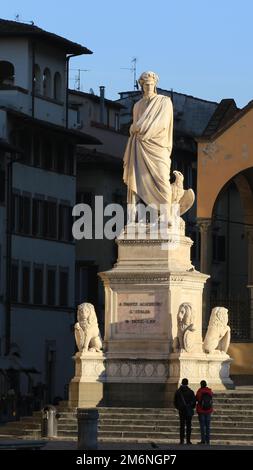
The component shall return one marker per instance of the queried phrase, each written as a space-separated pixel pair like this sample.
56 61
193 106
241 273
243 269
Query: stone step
21 432
173 441
169 429
68 427
170 436
33 419
173 414
68 434
20 425
115 422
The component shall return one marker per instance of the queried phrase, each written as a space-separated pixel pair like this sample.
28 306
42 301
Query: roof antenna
17 18
133 70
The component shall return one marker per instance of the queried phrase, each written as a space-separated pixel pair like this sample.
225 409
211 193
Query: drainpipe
67 88
33 77
102 104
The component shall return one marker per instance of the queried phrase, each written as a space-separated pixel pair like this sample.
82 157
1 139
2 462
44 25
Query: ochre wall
221 159
242 353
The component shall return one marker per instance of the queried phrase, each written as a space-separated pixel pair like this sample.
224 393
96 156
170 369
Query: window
47 82
51 285
47 155
38 284
25 293
2 186
27 215
60 159
24 142
65 222
37 79
37 217
63 287
50 219
36 151
116 123
15 211
14 281
21 214
6 73
70 160
20 209
57 87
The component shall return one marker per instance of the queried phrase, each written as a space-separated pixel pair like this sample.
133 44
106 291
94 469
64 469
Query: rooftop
96 98
16 29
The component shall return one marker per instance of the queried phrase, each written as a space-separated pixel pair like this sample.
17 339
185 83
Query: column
205 263
249 234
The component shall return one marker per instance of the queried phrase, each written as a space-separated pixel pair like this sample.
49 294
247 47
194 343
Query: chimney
102 104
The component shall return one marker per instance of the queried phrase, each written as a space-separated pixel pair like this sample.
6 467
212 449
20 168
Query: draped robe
147 155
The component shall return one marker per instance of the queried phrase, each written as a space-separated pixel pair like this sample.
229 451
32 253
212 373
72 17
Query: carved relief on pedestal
185 340
217 337
136 369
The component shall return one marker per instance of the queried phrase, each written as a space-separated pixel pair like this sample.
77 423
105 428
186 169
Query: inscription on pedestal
141 313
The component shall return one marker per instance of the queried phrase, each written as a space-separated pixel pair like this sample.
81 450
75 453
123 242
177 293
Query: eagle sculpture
184 197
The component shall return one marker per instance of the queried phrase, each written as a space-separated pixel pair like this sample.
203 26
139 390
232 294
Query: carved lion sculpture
217 337
185 324
87 333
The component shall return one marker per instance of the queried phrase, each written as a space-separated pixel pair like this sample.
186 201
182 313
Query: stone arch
57 86
7 73
47 82
245 191
37 79
234 274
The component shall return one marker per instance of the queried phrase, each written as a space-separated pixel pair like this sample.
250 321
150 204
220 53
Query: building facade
37 303
225 211
99 183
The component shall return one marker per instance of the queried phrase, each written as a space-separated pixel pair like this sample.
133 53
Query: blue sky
202 48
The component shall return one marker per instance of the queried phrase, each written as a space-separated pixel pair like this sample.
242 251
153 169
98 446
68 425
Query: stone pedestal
147 348
86 387
214 368
153 277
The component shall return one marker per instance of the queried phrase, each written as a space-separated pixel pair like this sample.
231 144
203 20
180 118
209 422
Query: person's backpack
206 402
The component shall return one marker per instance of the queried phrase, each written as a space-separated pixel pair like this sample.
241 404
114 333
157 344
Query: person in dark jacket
204 398
184 402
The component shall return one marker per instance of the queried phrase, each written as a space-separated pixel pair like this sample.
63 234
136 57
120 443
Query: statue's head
84 310
219 316
185 314
148 81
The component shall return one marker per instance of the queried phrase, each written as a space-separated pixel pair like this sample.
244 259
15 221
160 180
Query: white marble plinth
214 368
86 387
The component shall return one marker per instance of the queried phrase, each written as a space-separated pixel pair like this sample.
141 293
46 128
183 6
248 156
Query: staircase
232 422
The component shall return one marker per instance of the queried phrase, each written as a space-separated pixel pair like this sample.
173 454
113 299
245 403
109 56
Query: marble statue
147 155
184 197
87 333
185 322
217 337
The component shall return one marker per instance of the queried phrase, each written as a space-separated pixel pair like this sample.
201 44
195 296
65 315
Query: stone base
214 368
139 395
85 395
101 380
86 388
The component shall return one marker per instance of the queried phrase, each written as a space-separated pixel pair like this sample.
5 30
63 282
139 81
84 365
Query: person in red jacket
204 399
